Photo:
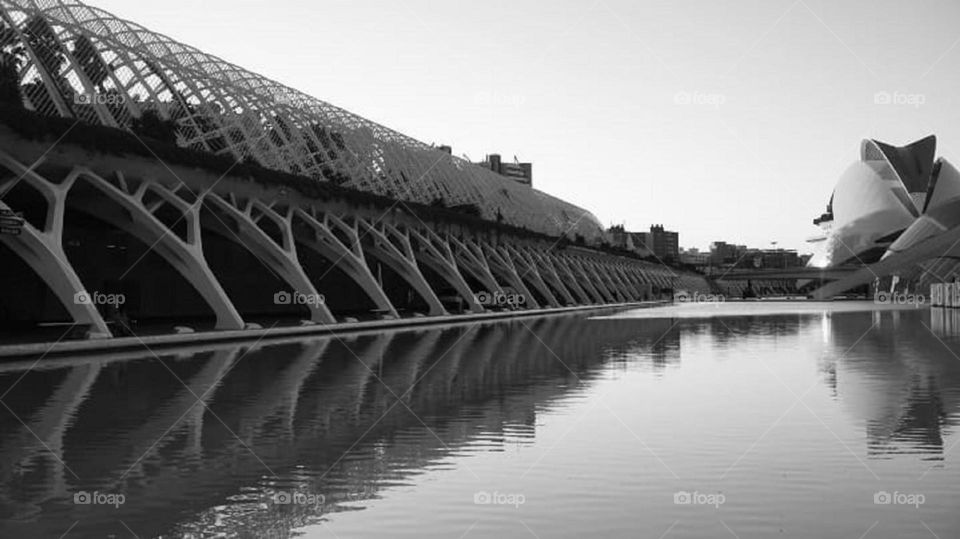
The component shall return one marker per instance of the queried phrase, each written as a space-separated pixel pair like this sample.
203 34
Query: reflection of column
425 352
399 372
42 436
945 322
185 410
353 371
484 348
437 379
280 393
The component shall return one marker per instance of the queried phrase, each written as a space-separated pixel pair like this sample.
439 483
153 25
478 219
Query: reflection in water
900 378
945 322
182 430
201 440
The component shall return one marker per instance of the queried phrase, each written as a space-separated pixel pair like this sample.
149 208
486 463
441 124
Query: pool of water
740 420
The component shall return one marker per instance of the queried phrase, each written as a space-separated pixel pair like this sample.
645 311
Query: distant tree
90 61
12 56
151 125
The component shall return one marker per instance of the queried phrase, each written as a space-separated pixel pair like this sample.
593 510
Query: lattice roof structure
81 62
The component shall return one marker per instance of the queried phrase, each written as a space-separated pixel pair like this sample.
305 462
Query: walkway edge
47 349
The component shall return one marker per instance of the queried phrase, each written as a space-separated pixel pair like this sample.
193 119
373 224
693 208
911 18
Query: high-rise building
664 243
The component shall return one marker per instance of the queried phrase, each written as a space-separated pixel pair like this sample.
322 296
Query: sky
723 121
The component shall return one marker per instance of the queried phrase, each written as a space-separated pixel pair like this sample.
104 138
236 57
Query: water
773 420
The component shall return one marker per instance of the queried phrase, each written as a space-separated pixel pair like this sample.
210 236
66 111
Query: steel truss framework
82 62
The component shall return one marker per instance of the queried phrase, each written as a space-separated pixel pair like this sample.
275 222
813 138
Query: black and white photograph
416 269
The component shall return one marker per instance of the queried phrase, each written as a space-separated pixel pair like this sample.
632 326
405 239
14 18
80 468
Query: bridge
818 274
147 170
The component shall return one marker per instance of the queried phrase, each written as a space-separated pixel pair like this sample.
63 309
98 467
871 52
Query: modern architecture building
889 200
78 61
196 190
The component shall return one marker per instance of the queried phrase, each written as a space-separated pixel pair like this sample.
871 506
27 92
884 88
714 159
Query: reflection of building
888 201
903 390
521 172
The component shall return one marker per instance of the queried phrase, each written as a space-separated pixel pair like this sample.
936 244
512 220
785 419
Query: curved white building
891 199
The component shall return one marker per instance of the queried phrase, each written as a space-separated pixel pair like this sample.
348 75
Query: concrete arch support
594 280
565 274
470 257
505 268
185 256
45 256
348 258
393 248
549 275
578 275
42 250
625 290
437 255
528 269
603 279
282 259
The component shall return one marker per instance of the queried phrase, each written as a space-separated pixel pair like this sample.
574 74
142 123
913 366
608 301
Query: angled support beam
634 275
594 281
549 275
603 275
282 259
529 269
399 256
505 268
43 252
437 255
348 258
616 271
578 280
470 257
625 289
185 256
